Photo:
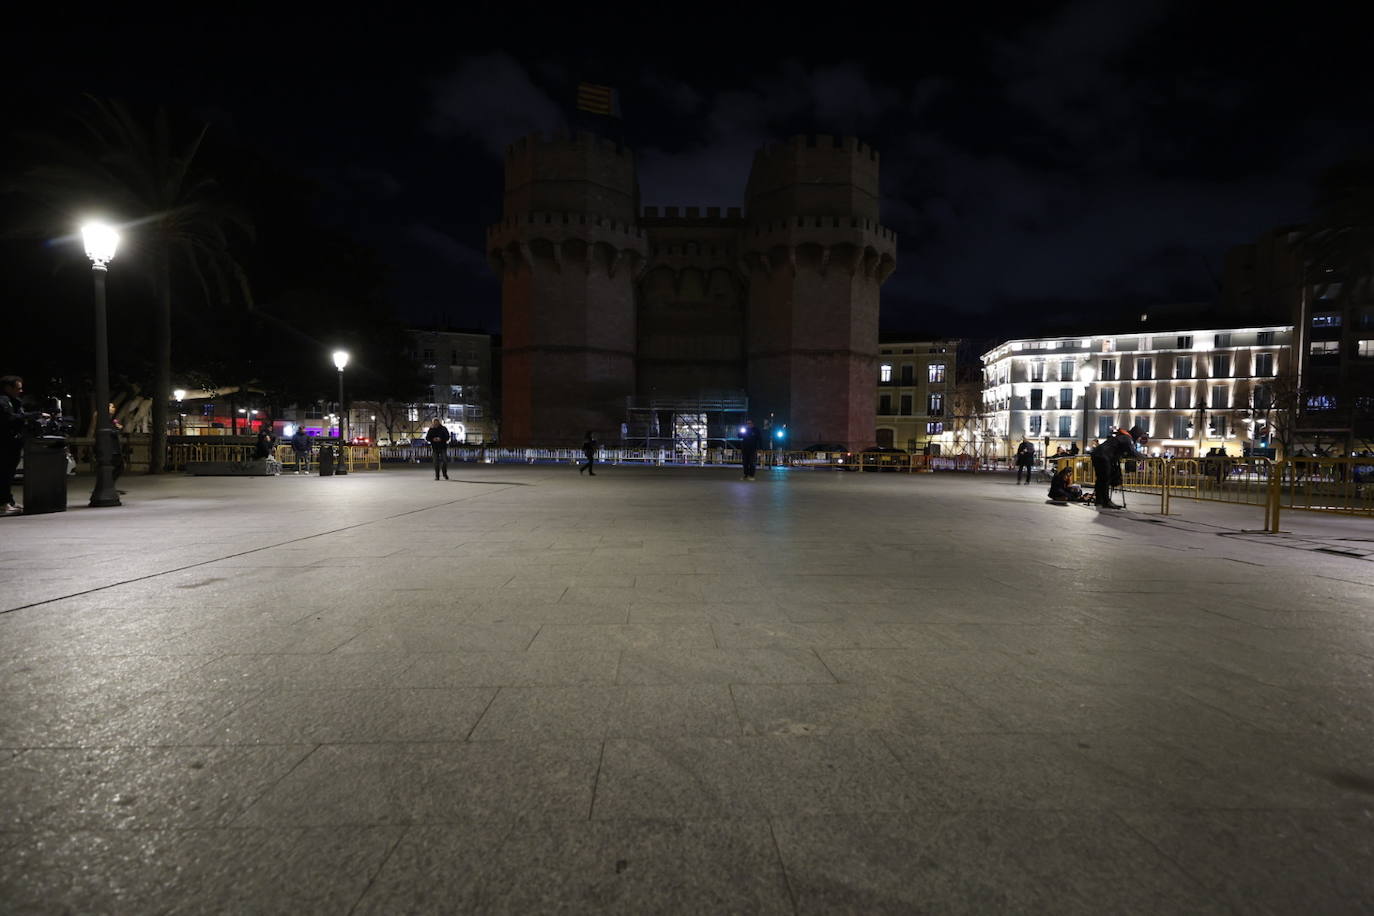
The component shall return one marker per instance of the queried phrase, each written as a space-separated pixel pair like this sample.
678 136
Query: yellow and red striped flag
600 100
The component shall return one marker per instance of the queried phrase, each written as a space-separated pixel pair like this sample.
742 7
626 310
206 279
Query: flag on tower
599 100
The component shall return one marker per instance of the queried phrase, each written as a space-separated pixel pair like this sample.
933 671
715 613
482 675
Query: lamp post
1086 374
100 241
341 360
179 394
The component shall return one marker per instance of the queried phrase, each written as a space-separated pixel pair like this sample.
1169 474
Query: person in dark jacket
1064 490
438 438
589 450
749 448
1107 459
1025 459
300 445
13 419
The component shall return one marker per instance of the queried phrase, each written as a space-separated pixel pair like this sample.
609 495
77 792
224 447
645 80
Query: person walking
1107 459
749 448
1025 460
300 447
13 419
589 450
438 438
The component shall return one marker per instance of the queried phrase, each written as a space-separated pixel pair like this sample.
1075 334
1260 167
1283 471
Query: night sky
1052 160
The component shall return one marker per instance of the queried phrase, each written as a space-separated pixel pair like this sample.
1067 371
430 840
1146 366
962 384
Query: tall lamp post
100 241
180 394
341 360
1086 374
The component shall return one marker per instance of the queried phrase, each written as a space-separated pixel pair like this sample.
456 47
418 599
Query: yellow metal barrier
1342 486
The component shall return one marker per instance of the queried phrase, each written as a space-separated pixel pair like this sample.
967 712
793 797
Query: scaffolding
688 427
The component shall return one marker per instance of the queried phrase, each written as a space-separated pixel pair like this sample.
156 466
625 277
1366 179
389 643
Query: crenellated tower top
571 173
817 175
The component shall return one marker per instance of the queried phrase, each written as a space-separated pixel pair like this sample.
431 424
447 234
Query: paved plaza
668 690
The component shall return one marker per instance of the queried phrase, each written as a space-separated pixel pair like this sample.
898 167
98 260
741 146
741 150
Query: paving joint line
242 553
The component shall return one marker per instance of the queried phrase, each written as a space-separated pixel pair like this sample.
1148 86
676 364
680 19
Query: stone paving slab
674 691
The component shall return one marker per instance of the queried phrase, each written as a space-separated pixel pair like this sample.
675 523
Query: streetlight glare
1087 374
100 241
340 359
179 393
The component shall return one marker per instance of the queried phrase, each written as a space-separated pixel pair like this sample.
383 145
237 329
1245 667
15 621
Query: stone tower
778 305
816 257
567 249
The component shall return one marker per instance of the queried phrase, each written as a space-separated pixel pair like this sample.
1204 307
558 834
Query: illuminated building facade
1191 390
916 395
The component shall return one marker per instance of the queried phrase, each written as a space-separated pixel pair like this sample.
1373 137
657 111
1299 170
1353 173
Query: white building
1191 390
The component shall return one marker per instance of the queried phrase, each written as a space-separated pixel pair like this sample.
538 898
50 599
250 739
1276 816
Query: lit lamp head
340 359
179 394
100 241
1086 374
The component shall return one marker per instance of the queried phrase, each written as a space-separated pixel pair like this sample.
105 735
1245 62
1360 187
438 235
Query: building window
1065 427
1219 401
1037 423
1108 345
1264 397
1183 367
455 391
1145 368
1185 342
906 405
935 405
1264 364
1221 340
936 373
1264 338
1144 424
1108 373
1183 398
208 410
1180 427
1217 426
1104 427
1066 370
934 428
1037 371
1221 365
1365 349
1325 348
1321 402
1106 399
1037 398
908 374
885 373
1326 320
1066 399
885 405
1142 398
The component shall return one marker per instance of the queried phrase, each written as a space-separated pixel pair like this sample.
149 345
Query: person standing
749 448
438 438
13 419
589 449
1025 460
300 447
1107 459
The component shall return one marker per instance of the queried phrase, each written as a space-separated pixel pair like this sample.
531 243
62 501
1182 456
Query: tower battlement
550 218
571 173
816 175
694 214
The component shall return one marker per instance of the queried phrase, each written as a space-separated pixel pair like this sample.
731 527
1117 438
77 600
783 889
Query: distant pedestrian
13 419
589 450
1025 460
749 448
438 438
300 447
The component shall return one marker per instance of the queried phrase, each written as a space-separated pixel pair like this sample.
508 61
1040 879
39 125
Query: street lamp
341 360
100 241
1086 374
179 394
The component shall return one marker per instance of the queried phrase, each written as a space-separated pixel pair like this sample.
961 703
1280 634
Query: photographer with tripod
1107 459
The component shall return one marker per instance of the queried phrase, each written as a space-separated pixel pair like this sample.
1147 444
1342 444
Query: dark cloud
492 99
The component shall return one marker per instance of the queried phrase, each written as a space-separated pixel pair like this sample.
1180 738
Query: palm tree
172 216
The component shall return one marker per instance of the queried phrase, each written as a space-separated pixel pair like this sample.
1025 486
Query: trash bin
341 463
326 461
45 474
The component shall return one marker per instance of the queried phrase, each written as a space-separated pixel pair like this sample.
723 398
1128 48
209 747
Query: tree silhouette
144 177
